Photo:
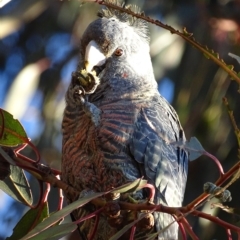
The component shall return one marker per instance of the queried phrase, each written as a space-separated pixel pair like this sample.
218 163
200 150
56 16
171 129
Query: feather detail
140 26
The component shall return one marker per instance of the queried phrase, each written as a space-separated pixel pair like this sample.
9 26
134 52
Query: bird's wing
153 145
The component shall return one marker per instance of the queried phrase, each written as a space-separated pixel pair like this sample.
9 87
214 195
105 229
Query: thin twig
216 220
233 121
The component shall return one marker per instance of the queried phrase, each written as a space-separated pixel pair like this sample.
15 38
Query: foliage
38 224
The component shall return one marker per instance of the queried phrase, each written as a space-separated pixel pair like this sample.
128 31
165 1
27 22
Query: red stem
32 162
229 234
133 229
55 172
95 227
219 182
91 215
46 192
19 155
216 220
61 197
40 205
188 228
181 228
152 191
219 165
20 148
35 150
29 168
40 183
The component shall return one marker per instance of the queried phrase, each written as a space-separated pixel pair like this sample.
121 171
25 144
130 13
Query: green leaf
56 232
186 33
7 157
126 228
231 67
16 185
130 187
216 55
152 236
12 132
206 55
194 148
55 217
29 220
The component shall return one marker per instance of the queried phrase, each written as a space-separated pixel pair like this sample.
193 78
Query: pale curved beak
93 56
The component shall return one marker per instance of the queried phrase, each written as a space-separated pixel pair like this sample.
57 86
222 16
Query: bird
116 125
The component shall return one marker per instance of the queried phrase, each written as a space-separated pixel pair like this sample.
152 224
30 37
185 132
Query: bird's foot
87 80
85 83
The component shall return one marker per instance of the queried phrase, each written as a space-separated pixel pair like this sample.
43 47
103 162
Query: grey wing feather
165 165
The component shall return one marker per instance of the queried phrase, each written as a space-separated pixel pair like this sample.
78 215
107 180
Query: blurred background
39 50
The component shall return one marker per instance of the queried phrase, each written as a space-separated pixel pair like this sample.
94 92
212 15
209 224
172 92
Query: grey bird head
117 46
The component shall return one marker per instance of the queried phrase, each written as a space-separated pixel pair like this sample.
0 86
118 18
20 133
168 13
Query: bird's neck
121 90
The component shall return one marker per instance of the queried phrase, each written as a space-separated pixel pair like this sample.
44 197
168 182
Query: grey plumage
135 125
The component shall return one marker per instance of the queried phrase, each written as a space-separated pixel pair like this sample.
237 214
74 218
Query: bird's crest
139 25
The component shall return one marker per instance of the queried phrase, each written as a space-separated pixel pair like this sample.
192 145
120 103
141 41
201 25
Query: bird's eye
118 52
